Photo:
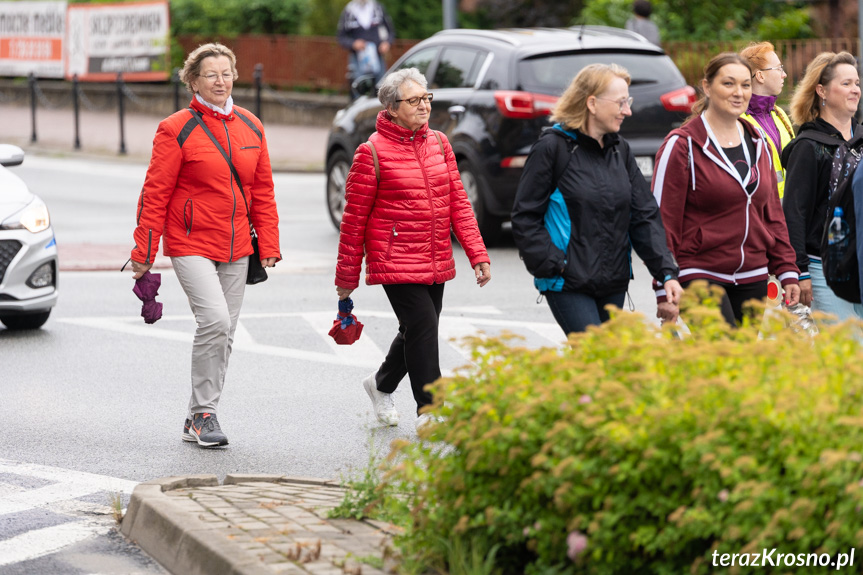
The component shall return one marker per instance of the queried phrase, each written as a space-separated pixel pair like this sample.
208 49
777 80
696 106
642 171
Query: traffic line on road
67 484
40 542
363 353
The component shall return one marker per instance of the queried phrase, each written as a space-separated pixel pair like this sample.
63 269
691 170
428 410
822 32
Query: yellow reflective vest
786 134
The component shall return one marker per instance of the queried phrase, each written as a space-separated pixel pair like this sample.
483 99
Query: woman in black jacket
825 101
582 203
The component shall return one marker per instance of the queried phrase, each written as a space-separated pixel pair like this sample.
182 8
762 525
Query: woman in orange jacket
192 200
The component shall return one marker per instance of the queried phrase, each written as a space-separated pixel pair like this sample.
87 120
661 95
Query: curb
181 541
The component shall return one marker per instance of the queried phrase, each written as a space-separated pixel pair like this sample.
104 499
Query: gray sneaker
206 430
187 436
385 409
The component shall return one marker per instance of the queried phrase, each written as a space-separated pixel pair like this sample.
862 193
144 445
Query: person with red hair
768 79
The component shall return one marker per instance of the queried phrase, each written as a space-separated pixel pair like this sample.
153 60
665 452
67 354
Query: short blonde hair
192 66
821 70
571 110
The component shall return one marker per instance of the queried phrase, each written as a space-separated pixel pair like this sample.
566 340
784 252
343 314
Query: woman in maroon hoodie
715 184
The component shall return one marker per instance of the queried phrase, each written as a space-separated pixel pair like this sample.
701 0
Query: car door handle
455 111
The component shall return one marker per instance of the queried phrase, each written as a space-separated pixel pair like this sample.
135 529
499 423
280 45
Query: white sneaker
385 409
426 418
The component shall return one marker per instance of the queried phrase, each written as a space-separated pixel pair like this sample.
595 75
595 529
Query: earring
823 102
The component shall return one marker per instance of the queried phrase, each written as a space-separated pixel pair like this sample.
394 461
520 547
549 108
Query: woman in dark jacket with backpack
582 203
824 102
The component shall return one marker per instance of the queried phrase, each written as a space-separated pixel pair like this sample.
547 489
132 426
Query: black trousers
735 296
414 351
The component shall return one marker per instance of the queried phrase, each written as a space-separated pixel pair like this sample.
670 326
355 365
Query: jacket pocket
250 148
188 215
393 235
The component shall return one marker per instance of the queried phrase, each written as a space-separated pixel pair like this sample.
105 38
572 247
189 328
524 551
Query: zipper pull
395 233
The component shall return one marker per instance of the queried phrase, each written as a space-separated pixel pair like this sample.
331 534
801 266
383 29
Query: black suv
493 92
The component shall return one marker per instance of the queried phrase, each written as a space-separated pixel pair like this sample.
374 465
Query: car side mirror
11 155
364 85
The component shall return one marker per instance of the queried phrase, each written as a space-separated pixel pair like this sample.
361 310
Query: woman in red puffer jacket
404 197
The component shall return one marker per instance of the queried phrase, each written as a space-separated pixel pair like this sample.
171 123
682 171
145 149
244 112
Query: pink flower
525 531
585 399
576 543
723 495
537 526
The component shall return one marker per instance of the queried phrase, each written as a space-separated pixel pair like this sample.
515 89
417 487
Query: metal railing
125 98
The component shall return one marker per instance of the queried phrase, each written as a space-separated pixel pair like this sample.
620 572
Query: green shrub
648 451
229 18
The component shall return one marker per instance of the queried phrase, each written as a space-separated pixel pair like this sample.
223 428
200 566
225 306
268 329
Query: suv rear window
552 73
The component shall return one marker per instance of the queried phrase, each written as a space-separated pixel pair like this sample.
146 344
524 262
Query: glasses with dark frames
415 101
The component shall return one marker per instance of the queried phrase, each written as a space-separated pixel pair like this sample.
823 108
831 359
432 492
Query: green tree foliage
228 18
700 21
323 17
522 13
417 19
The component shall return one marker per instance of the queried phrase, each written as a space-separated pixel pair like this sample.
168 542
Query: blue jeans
824 300
575 311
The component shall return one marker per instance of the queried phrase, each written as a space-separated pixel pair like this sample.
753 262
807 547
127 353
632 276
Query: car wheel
25 321
337 176
476 189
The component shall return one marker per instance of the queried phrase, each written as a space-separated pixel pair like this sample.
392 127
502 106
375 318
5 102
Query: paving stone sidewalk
253 525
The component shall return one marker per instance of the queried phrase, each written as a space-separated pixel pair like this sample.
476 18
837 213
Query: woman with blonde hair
768 78
716 188
824 105
582 204
208 181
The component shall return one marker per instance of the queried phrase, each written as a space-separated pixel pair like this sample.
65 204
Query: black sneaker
187 436
206 430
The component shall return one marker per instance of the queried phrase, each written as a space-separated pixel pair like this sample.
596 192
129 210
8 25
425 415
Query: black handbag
256 273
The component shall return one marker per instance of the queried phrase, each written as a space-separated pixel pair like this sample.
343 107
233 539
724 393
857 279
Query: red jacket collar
386 127
205 111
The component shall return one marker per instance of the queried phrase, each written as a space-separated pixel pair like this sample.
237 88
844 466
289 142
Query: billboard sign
31 38
103 40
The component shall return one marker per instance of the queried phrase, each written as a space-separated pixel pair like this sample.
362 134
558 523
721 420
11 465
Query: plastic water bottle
837 246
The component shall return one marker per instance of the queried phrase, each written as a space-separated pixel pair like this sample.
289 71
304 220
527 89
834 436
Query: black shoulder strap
227 159
820 137
564 155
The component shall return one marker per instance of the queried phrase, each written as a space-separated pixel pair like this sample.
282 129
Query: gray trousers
215 291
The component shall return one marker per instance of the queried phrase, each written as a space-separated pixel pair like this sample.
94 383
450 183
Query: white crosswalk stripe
61 498
363 353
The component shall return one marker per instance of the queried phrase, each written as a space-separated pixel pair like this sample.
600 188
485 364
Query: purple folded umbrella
147 288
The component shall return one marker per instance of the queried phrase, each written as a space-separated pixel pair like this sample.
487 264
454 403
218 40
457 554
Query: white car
28 250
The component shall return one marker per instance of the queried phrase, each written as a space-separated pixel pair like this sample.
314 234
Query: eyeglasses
626 102
211 78
416 100
780 67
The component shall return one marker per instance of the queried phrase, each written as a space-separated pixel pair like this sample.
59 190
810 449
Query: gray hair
392 83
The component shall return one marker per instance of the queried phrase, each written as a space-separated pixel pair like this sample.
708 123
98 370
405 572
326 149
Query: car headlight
34 218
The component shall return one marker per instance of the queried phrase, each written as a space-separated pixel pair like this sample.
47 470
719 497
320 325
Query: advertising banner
103 40
31 38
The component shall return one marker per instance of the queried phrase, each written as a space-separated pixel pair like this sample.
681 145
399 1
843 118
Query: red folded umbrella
346 328
147 288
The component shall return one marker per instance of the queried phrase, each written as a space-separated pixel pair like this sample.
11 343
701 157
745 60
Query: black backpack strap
564 155
820 137
227 159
